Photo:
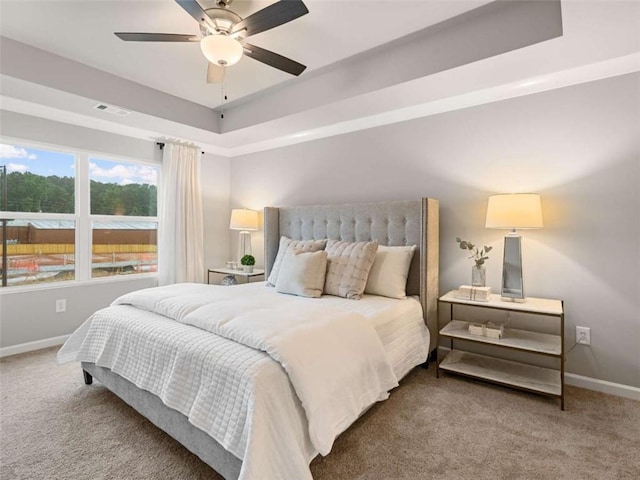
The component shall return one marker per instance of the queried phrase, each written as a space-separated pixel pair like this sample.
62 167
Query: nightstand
235 273
516 374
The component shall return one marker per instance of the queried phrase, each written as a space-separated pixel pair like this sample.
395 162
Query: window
38 251
123 190
121 248
37 180
69 215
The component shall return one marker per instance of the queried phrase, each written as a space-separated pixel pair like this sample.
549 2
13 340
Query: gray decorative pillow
286 243
302 273
348 267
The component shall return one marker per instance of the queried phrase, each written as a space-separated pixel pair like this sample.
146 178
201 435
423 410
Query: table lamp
245 221
513 211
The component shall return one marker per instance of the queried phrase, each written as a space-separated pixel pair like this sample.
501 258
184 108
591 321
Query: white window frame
82 217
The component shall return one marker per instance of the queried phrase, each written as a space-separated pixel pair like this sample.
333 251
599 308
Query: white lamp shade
514 210
243 219
221 50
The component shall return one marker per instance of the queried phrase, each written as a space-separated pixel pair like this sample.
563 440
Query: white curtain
181 231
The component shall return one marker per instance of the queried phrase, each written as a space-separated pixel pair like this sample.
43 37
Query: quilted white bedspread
264 411
334 358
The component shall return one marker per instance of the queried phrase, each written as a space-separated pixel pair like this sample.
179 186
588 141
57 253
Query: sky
44 162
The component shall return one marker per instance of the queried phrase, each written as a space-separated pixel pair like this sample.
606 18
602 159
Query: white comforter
261 420
334 358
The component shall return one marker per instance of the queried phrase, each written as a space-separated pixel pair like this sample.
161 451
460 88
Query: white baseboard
31 346
618 389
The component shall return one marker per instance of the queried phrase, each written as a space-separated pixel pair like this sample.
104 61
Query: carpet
52 426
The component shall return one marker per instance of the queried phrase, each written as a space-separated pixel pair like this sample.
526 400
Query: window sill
77 283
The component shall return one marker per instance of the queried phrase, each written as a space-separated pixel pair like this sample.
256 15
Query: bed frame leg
430 358
88 379
433 356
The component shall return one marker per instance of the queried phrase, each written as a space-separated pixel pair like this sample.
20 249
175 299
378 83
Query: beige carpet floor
54 427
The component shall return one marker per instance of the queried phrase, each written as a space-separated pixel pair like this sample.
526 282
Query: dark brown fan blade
194 9
156 37
273 59
269 17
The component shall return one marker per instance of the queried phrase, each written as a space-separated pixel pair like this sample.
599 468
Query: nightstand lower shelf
504 372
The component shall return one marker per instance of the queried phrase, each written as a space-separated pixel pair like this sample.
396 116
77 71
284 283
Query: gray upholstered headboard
390 223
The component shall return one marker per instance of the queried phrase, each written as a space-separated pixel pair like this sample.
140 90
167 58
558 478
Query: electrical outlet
583 335
61 305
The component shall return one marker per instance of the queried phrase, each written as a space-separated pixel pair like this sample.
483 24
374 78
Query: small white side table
235 273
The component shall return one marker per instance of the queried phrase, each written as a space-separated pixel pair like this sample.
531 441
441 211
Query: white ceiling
332 31
600 38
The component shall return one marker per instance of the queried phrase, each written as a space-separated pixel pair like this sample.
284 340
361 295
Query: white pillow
348 267
302 273
388 275
286 243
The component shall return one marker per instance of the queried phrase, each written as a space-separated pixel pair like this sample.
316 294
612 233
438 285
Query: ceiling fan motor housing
224 20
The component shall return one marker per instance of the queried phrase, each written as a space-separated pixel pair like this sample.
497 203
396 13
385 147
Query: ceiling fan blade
156 37
194 9
273 59
215 73
269 17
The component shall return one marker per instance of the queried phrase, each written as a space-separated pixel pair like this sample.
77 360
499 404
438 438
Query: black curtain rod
161 146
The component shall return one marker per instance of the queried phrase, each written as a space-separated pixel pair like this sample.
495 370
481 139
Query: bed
239 410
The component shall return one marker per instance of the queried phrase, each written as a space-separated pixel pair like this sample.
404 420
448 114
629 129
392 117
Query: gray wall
30 316
579 147
215 174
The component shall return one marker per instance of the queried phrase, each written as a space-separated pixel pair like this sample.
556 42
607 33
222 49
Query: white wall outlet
583 335
61 305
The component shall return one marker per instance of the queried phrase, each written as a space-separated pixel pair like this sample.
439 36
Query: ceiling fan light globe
221 50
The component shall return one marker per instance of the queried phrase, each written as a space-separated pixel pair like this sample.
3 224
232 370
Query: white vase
478 276
247 268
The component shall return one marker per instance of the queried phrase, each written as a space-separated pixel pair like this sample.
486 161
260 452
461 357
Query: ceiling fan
223 33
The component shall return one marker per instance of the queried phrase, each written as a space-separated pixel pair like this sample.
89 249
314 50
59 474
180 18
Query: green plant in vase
247 262
479 255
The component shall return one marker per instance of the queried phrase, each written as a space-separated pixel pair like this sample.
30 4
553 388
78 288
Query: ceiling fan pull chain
223 97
